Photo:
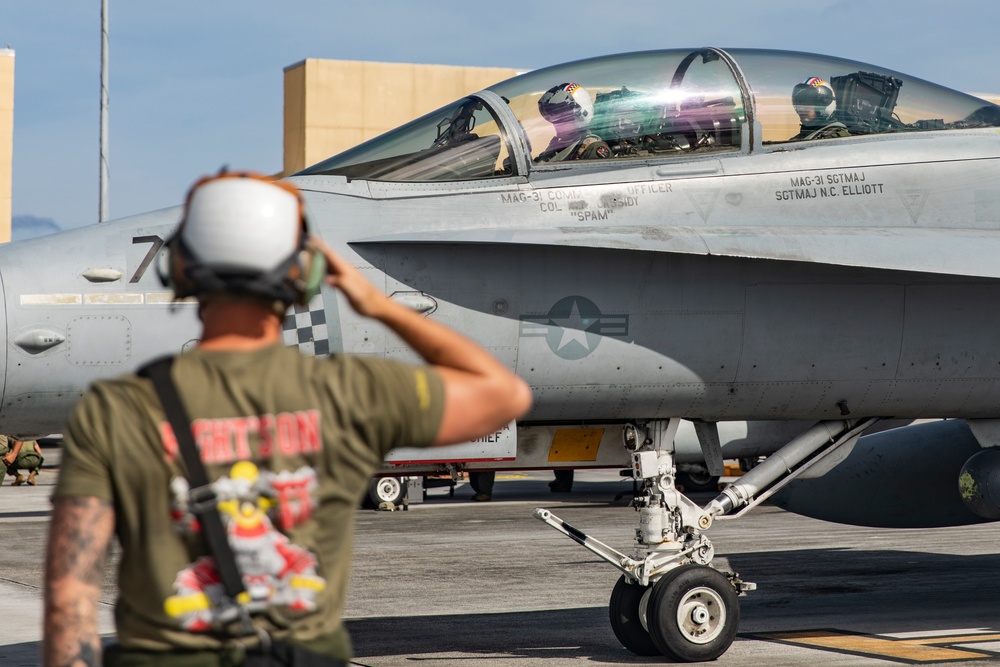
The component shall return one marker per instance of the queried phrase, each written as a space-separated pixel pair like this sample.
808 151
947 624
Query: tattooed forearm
79 536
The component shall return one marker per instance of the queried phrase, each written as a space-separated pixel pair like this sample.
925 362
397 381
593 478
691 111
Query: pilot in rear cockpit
570 109
815 103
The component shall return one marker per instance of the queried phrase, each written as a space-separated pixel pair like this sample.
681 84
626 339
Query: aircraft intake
906 477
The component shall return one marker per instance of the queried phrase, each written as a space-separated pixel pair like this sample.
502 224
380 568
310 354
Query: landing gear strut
669 601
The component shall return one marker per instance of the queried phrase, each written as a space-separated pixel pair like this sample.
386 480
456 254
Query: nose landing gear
669 601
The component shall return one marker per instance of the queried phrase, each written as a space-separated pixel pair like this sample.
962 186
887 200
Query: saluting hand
364 297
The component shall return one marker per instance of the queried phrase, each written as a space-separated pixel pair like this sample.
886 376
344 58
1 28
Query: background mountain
24 227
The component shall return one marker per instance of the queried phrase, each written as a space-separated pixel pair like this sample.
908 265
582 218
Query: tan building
6 139
332 105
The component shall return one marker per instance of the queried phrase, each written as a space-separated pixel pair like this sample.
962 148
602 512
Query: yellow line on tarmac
957 639
924 649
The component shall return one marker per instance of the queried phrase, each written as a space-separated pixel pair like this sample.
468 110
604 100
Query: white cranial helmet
243 233
242 223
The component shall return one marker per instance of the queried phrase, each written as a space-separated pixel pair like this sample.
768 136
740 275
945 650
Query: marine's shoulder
125 388
124 383
119 399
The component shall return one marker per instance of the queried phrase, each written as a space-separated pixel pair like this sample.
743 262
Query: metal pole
103 197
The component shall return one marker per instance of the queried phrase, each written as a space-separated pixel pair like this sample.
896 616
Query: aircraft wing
944 251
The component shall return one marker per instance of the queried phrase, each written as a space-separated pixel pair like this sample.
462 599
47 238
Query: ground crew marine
290 442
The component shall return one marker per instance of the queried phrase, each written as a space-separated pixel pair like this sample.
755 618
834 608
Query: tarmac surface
455 583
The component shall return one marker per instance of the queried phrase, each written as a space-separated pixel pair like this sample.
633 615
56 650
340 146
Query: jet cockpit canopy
655 105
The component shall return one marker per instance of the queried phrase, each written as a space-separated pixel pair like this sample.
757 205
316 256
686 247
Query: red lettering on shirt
201 429
288 434
310 440
240 427
266 430
222 442
225 440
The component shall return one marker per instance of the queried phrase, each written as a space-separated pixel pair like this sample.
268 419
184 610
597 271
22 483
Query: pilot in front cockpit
570 109
815 103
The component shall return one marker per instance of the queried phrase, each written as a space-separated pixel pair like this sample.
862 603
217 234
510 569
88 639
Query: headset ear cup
317 275
312 269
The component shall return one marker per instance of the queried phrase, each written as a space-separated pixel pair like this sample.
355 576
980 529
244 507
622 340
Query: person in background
570 109
563 482
482 483
23 455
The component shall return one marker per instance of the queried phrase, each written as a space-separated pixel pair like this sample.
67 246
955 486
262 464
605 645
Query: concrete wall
6 139
332 105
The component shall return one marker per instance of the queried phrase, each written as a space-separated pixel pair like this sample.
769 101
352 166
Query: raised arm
79 535
481 394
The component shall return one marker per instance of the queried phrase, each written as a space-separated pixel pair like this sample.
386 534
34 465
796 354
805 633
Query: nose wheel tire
693 614
626 609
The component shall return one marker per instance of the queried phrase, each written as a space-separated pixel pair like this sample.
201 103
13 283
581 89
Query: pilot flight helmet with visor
814 97
244 234
568 106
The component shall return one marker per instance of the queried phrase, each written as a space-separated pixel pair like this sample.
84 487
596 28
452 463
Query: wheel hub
701 615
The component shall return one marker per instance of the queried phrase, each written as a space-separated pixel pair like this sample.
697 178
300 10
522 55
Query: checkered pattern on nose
305 327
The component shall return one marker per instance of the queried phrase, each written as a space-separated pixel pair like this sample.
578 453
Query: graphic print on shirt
276 572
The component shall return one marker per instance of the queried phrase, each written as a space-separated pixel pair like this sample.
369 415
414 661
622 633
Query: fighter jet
706 235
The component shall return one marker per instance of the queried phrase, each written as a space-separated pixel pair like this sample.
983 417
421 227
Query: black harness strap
202 498
203 503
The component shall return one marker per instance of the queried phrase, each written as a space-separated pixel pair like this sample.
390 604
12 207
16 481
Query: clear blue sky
195 85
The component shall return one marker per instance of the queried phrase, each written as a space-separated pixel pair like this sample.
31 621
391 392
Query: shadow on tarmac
862 591
562 633
885 591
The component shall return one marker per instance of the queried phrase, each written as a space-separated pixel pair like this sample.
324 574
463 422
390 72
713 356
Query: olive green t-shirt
291 443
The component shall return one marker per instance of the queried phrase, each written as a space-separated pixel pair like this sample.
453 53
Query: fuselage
713 267
604 291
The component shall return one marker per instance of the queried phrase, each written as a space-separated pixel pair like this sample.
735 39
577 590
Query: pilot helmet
814 93
567 104
245 234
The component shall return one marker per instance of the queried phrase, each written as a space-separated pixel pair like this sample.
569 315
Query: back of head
242 234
